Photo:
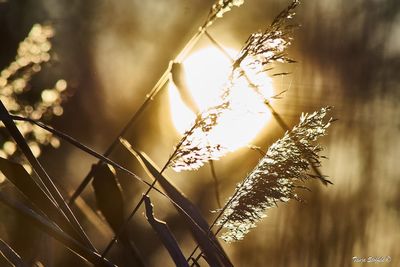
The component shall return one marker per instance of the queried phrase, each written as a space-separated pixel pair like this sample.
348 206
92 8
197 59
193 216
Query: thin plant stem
219 46
91 152
133 119
149 97
216 184
136 208
277 117
42 174
126 222
274 113
258 149
215 221
88 150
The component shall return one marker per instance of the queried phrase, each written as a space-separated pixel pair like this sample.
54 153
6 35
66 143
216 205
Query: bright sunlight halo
206 72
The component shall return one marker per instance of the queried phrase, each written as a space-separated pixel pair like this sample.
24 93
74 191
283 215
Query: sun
206 73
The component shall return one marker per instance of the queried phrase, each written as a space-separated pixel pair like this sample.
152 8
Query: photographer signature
372 259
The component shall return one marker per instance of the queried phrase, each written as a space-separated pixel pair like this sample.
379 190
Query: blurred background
111 53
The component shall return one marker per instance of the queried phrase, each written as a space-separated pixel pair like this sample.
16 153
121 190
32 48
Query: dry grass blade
10 255
274 179
79 145
260 50
109 196
84 148
110 202
32 191
44 177
217 10
167 238
48 184
195 221
48 227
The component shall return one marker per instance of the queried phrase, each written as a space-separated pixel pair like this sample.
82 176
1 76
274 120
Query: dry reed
276 176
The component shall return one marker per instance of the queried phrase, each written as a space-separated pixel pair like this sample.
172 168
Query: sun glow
206 73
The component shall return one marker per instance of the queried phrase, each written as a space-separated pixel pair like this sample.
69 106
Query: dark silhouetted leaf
167 238
29 215
199 227
45 179
10 255
110 202
108 195
79 145
16 174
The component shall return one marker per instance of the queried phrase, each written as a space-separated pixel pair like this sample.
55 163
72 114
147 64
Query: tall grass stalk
259 52
126 144
274 179
184 210
216 11
50 187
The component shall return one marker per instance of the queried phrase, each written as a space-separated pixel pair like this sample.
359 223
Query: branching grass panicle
276 176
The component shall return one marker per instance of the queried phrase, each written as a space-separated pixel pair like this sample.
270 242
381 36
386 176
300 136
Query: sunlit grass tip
276 176
220 8
261 49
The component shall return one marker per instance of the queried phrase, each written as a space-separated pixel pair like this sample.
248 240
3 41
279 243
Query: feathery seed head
262 48
220 8
274 178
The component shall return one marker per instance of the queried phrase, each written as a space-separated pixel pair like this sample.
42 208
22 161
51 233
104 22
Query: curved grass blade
79 145
104 159
163 232
199 227
42 174
216 11
10 255
51 229
86 149
16 174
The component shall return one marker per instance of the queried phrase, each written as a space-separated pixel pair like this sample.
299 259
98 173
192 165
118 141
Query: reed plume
220 8
275 177
264 48
261 49
195 148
